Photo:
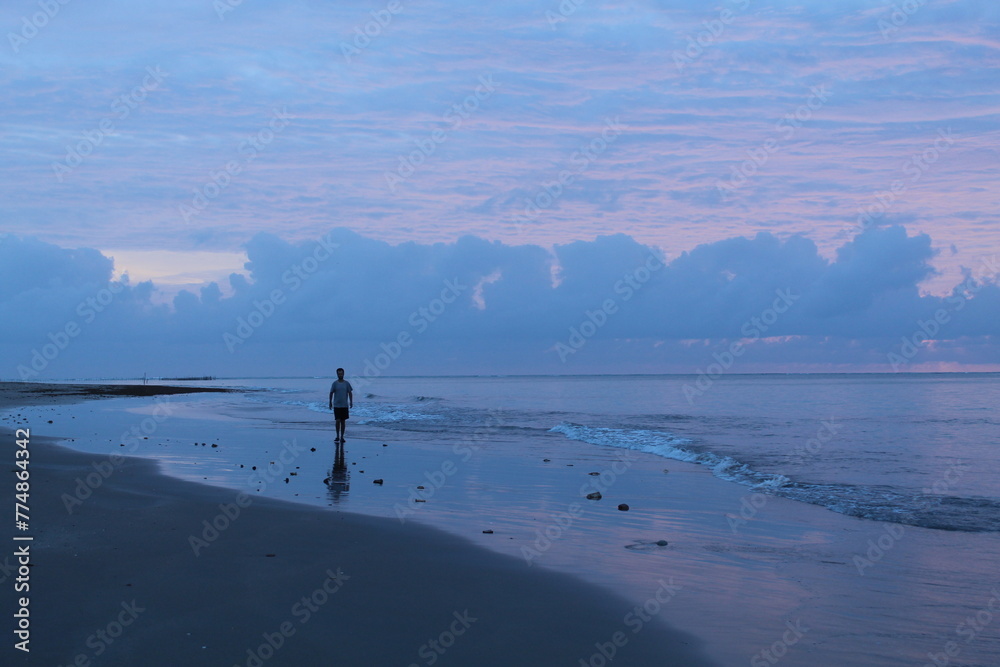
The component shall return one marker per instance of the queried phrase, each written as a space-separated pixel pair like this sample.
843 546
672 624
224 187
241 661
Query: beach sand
117 581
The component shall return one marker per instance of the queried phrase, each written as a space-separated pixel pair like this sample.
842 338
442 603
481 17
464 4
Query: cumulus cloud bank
478 306
777 115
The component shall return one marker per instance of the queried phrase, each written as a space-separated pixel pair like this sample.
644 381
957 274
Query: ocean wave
370 413
674 447
907 507
876 503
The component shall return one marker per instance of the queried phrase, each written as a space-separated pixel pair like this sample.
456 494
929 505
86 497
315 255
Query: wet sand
156 571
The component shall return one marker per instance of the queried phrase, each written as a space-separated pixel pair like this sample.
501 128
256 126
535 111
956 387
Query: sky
226 187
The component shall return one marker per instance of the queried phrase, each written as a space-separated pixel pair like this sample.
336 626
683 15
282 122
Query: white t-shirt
340 390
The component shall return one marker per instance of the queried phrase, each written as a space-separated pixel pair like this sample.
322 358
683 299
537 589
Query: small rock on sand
596 495
623 507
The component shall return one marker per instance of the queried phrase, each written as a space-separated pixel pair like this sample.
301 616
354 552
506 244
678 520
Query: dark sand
124 555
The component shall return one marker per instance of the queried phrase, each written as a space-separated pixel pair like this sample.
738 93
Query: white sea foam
674 447
370 413
878 503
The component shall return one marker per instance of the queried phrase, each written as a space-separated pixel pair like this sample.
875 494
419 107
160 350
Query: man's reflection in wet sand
339 481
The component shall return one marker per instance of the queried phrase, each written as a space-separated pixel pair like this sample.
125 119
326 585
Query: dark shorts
340 413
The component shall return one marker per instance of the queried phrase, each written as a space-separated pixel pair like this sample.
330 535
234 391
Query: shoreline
18 394
281 583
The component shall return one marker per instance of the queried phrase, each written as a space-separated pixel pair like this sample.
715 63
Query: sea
807 519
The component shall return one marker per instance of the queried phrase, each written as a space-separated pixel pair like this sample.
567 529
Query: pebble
596 495
623 507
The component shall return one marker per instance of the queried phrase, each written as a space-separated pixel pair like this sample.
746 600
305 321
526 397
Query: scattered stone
623 507
666 470
384 445
253 468
596 495
421 486
661 543
419 500
50 421
312 449
214 445
377 481
286 480
293 473
569 465
487 532
547 460
593 474
269 555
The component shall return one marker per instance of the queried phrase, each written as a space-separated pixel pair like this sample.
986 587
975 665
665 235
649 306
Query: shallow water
790 502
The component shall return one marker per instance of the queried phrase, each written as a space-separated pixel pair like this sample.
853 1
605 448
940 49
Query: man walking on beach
341 398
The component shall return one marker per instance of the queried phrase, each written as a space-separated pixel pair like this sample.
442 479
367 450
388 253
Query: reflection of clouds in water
338 484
